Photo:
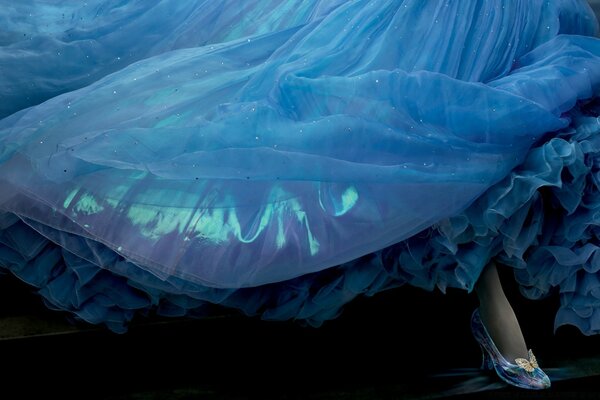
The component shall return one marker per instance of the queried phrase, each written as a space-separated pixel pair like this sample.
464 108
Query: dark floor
401 344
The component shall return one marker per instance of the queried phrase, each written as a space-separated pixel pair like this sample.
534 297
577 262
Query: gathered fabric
284 157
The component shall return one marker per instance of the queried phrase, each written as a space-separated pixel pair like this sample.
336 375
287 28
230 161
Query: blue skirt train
285 157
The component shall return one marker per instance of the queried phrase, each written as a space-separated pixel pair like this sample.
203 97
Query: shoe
524 373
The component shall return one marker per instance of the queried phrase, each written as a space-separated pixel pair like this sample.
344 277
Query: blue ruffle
541 220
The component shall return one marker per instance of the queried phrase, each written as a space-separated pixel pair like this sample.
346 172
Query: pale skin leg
498 316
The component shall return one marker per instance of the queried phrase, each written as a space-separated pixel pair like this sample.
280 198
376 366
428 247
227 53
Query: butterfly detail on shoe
527 365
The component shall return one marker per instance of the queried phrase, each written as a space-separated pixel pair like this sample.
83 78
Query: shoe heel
486 360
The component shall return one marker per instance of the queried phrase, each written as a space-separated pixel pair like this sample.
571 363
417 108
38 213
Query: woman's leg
498 316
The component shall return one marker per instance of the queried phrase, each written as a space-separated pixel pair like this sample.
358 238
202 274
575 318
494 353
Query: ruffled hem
541 220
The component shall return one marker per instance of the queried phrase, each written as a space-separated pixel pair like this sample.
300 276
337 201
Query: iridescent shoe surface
523 373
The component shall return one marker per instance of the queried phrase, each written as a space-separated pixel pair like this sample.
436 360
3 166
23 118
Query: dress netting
284 157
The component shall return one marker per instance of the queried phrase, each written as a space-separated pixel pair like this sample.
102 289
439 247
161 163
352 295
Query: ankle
505 331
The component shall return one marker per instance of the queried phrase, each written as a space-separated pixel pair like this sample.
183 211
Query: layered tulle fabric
285 165
49 47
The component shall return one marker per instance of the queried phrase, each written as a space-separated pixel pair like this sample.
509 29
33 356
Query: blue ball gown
284 157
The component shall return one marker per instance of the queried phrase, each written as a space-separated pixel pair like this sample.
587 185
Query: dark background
405 343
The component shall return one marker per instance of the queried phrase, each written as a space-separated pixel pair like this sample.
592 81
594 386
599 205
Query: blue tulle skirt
284 157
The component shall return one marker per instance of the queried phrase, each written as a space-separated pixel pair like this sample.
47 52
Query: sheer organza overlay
282 157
